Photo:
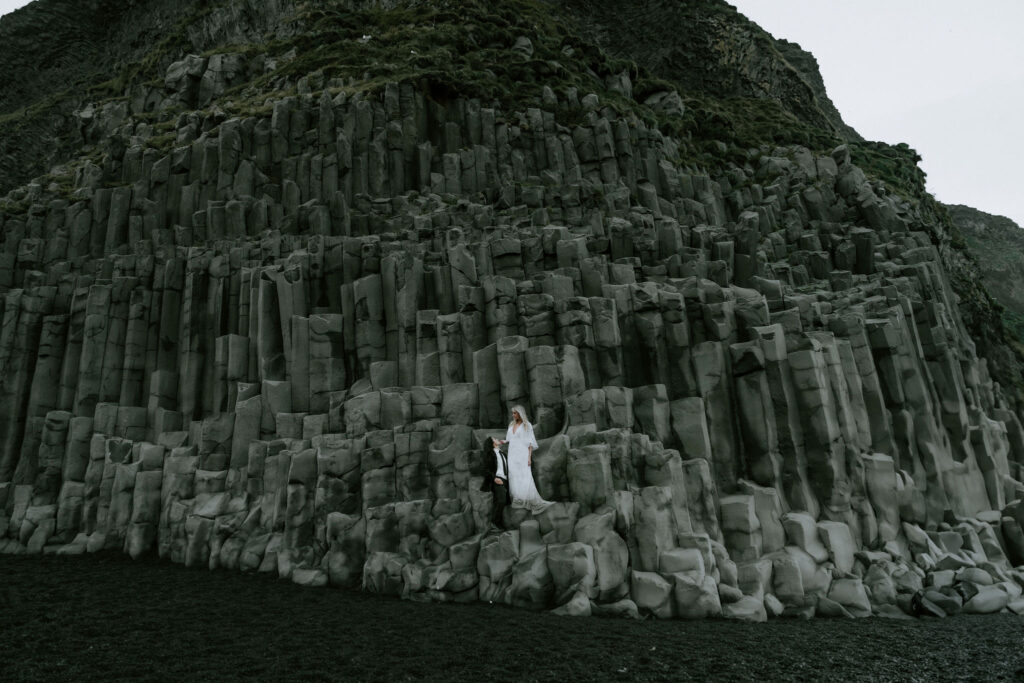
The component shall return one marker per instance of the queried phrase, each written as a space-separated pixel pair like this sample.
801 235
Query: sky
10 5
944 76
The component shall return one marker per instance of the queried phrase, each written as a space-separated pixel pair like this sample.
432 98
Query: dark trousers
500 496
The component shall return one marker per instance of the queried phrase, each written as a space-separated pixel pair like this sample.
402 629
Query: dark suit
499 492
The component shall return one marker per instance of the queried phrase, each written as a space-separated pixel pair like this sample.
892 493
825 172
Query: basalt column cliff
296 260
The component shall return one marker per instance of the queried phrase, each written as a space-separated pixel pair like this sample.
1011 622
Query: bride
521 444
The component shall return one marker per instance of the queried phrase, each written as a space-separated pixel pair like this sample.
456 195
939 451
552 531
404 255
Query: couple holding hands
509 477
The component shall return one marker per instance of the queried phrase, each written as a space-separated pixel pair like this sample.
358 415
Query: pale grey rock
695 598
652 594
746 608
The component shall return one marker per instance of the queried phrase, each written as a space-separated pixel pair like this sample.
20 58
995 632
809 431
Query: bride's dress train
520 481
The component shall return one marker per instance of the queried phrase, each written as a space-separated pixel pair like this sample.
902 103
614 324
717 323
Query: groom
496 480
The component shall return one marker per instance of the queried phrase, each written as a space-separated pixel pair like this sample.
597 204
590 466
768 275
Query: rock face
278 345
998 244
710 47
50 51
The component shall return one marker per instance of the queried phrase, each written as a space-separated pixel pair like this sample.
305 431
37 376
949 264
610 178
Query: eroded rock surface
278 345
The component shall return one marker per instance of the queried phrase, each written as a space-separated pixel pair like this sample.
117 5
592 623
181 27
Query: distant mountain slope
709 47
998 245
56 57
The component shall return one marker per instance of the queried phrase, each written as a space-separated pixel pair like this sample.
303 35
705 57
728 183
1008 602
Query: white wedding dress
520 477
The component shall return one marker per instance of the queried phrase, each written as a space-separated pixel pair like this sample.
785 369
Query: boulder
988 600
772 606
695 598
747 608
577 606
688 560
624 608
532 586
652 594
655 525
802 532
851 595
573 571
837 538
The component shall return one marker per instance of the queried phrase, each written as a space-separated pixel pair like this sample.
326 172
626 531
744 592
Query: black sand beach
105 617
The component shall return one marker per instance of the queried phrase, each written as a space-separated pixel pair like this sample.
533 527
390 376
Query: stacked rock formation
278 344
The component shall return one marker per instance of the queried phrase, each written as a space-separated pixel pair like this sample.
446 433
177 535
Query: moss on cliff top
458 49
895 165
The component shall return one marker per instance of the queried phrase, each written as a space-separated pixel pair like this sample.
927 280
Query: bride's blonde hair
522 414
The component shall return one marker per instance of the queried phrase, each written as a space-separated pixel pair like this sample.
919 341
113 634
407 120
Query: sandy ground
105 617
